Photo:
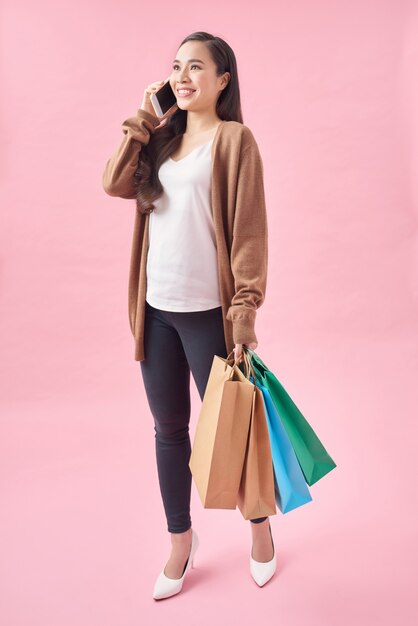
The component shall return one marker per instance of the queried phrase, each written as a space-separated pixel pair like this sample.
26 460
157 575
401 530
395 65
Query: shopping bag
256 495
221 433
291 490
313 458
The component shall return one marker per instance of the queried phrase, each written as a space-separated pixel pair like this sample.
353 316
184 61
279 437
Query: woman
198 265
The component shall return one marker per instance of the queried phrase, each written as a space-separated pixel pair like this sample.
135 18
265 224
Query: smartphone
164 100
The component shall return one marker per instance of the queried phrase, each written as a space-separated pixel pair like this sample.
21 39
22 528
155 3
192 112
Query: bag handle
249 369
249 366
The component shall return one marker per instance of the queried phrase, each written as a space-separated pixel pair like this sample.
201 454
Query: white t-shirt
182 259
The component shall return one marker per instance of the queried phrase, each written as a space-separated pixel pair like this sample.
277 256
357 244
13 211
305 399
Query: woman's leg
166 377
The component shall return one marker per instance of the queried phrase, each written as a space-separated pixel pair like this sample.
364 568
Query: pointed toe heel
165 587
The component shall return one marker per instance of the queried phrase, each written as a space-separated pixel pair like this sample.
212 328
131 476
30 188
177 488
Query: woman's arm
249 250
118 176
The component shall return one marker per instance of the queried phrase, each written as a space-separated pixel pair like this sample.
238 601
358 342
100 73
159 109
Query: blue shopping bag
291 488
313 458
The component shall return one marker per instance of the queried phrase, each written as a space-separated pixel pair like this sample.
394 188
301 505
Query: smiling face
194 69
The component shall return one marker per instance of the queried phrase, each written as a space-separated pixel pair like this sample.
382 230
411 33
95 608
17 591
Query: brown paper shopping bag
221 435
256 495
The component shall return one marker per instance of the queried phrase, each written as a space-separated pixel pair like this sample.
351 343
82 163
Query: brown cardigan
240 221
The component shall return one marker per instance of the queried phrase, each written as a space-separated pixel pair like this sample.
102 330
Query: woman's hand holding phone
146 102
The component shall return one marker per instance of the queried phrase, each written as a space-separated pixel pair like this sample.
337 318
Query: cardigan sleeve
249 249
118 175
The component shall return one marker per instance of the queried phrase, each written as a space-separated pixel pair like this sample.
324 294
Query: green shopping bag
314 460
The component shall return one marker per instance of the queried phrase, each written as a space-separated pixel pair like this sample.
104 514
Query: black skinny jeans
176 343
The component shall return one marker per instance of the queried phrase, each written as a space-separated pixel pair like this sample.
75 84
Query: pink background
330 91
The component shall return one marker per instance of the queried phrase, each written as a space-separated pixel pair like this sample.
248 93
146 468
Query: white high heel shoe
262 572
165 587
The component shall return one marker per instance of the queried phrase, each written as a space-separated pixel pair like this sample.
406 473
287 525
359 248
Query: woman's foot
166 587
263 560
180 550
262 550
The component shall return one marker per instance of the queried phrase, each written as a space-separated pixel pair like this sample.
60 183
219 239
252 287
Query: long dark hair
164 141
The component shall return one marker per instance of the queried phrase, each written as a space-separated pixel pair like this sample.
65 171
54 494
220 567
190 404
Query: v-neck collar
213 141
202 145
